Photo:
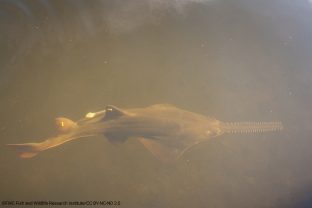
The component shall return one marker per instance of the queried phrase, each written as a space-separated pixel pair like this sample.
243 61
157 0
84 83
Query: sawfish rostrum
165 130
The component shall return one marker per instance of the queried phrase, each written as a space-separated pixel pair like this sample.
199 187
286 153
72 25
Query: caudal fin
26 150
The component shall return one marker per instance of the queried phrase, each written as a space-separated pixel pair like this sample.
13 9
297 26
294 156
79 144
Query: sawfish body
165 130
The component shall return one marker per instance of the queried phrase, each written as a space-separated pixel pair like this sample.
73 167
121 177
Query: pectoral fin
163 150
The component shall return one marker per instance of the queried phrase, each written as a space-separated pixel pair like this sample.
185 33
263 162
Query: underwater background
238 60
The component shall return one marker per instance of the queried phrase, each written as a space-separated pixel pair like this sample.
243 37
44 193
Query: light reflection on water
239 60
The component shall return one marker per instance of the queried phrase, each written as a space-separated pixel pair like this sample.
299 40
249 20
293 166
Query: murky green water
234 60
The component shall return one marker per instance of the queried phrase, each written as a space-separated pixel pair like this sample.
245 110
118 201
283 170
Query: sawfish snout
65 125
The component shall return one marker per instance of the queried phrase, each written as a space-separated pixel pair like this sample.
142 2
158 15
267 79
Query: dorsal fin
112 112
64 125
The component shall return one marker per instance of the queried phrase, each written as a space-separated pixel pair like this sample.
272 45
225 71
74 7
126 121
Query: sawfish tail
29 150
251 127
64 126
